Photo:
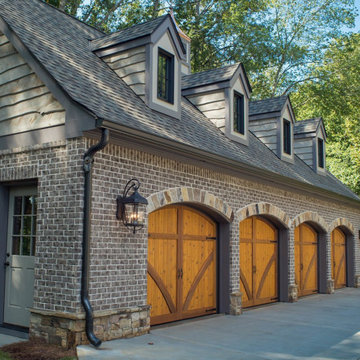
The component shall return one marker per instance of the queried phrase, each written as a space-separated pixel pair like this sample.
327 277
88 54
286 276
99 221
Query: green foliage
4 356
334 94
299 32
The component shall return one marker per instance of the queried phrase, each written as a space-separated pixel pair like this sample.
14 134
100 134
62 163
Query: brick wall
119 257
58 170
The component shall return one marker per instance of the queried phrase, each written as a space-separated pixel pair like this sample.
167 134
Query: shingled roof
61 44
307 126
208 77
131 33
266 106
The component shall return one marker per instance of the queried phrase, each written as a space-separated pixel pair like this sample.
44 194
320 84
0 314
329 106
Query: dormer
272 121
222 95
310 138
148 57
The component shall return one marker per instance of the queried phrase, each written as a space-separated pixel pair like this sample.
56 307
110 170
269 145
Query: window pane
321 152
287 137
239 125
17 205
25 248
33 243
165 86
34 202
33 225
27 225
15 245
28 200
16 225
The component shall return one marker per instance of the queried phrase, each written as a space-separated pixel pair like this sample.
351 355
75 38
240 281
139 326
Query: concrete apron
8 336
316 327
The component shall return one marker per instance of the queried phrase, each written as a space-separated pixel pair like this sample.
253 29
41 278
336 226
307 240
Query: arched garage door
258 262
182 276
338 257
306 260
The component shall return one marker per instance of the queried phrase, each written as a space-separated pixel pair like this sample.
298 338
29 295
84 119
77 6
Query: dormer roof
222 77
272 106
142 33
309 127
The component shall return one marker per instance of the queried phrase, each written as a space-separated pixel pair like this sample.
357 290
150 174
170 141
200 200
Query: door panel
19 282
162 275
199 280
338 257
181 264
258 262
306 259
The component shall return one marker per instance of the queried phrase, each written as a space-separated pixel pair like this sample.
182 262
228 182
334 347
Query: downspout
87 167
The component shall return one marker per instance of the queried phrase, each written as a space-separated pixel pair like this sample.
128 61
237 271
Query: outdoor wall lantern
130 208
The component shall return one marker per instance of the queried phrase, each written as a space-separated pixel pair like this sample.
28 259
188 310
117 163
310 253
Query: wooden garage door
258 262
181 264
306 260
338 257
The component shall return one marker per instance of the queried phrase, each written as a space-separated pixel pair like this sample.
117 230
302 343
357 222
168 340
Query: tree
299 32
334 94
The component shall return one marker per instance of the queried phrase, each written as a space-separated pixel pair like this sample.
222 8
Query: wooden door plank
160 284
197 279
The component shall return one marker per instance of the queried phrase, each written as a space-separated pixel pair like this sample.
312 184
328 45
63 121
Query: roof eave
137 136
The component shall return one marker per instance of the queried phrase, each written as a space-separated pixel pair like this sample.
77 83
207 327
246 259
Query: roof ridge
218 68
130 27
70 16
271 98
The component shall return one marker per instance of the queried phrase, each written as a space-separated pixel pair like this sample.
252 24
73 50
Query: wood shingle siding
25 102
130 66
266 131
304 149
212 105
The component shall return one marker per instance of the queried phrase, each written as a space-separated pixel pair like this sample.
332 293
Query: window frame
238 114
321 153
165 78
287 143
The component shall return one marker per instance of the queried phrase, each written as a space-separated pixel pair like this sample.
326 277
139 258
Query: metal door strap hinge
208 310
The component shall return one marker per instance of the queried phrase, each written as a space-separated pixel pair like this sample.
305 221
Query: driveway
316 327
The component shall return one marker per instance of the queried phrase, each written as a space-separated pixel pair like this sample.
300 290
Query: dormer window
321 160
286 137
165 80
239 118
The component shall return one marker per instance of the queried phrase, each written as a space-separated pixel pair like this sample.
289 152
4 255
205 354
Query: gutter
87 167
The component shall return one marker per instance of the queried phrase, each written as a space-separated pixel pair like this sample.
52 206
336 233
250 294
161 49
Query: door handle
181 273
6 264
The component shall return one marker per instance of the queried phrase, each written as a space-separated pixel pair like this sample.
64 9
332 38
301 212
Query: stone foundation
68 330
293 293
235 303
330 288
357 281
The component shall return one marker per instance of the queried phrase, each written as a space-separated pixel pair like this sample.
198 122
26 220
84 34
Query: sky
357 23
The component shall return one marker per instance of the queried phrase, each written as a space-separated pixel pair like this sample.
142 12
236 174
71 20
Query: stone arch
283 223
312 217
343 223
263 208
190 195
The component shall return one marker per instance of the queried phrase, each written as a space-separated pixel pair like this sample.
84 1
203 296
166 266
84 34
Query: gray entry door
19 282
